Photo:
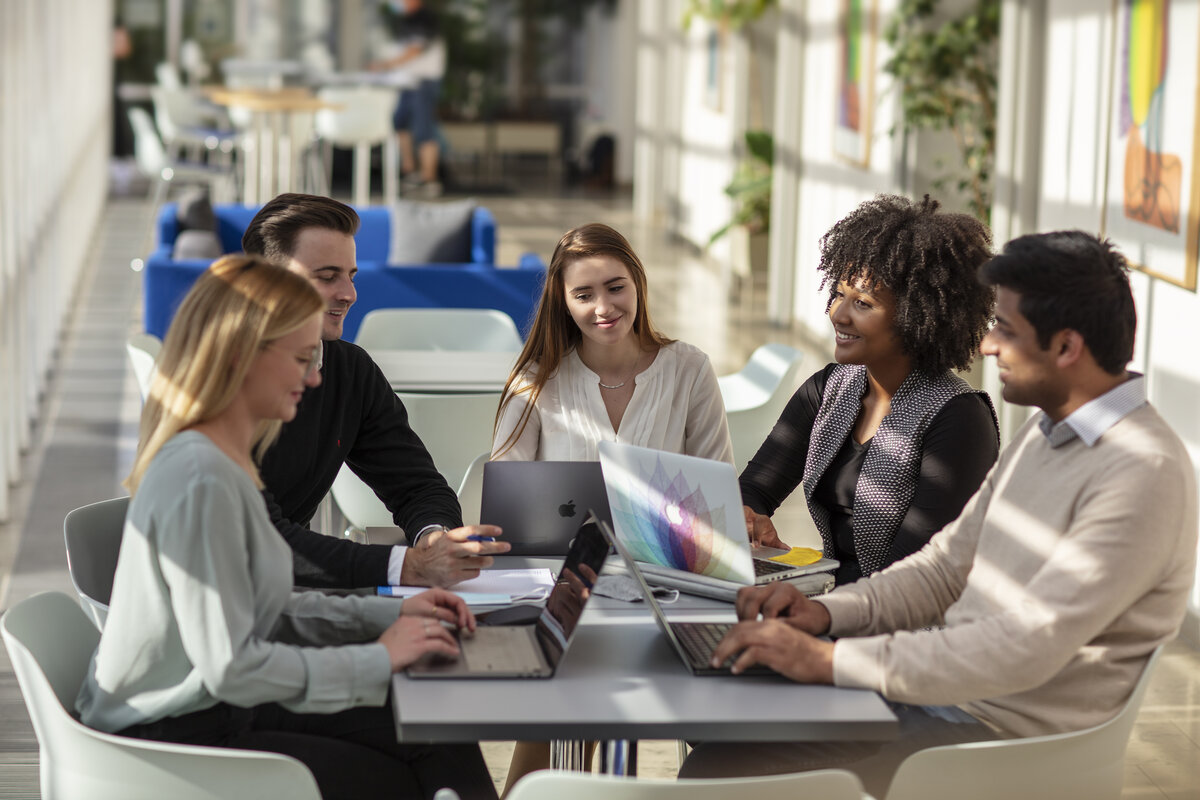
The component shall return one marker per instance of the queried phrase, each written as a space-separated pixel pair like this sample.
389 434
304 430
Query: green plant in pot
750 188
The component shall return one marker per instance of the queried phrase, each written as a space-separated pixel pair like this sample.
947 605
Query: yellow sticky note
799 557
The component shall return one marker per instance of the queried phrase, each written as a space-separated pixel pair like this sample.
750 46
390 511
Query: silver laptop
539 503
531 649
693 642
681 518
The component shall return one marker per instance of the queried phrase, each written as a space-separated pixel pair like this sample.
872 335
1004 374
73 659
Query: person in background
418 54
1066 570
354 417
205 643
887 442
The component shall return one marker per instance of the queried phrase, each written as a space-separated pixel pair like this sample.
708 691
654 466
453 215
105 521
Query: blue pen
477 538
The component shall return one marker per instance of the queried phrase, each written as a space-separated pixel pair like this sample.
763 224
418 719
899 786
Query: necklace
604 385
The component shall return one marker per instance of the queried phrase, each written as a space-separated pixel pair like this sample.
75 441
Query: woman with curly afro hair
888 442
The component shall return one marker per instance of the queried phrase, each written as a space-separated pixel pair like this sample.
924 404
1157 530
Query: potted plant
750 191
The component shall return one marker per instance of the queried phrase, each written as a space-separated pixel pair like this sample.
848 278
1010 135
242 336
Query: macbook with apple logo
540 504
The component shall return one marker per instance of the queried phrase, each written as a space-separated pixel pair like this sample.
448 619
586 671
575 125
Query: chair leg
391 170
362 174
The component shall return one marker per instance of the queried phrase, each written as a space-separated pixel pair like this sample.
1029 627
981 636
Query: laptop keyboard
764 567
700 639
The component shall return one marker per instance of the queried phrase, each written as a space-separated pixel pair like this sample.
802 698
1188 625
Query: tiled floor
84 446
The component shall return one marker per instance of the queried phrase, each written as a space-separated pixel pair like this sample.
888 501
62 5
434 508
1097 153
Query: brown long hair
237 307
554 332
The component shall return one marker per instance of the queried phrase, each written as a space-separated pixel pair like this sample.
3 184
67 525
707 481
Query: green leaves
750 188
946 74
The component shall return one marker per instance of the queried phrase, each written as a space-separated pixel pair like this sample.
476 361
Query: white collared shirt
1090 421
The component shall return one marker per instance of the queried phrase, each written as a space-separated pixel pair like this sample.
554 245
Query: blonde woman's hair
236 308
554 332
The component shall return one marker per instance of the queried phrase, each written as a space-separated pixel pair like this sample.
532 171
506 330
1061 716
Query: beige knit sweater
1065 570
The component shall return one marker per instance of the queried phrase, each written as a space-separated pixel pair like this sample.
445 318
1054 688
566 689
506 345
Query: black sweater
958 449
356 418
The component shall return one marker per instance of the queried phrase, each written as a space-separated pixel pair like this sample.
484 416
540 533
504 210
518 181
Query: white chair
470 491
1087 763
455 429
186 120
153 161
364 120
830 784
143 349
93 537
483 329
50 642
755 397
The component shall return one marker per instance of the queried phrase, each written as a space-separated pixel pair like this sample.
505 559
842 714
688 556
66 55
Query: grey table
621 681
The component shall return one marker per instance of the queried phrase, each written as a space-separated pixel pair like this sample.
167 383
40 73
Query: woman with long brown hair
595 369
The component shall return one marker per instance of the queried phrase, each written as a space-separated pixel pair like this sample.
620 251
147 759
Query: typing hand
781 647
761 530
782 600
410 637
440 606
446 558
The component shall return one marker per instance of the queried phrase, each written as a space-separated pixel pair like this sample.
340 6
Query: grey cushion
432 232
197 244
195 211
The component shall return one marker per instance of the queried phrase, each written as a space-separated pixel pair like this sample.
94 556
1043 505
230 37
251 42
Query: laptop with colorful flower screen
681 518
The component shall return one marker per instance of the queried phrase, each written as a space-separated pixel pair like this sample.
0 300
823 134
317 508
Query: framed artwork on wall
1151 207
856 81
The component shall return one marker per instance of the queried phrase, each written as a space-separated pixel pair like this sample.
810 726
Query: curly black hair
929 262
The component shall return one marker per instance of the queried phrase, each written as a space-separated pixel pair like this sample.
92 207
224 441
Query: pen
477 538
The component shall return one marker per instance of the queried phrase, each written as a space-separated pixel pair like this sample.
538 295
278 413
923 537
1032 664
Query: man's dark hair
928 260
1071 279
273 231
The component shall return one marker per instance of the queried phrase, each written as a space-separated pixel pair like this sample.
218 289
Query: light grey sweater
1061 576
203 611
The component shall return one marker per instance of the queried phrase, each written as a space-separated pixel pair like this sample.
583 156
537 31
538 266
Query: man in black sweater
353 416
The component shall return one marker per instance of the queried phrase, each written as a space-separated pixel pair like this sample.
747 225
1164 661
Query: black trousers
352 754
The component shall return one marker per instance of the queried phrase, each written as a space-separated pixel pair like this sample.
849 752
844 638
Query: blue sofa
476 284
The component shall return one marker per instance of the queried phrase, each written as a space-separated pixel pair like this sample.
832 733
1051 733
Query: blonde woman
205 642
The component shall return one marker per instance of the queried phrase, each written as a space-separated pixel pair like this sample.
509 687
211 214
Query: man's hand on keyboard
782 601
775 644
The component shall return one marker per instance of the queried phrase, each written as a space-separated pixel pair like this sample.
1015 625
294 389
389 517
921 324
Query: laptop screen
564 606
677 511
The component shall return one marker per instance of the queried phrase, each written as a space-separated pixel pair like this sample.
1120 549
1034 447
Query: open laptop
539 503
535 648
693 642
681 518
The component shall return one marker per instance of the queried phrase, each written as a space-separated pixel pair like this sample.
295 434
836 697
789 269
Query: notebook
532 649
681 518
693 642
539 503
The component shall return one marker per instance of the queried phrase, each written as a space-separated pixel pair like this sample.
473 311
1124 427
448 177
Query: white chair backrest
1087 763
455 429
176 110
50 643
148 149
93 537
484 329
143 349
756 396
829 784
167 76
365 115
470 491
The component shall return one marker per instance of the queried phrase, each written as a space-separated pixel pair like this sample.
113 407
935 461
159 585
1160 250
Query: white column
785 183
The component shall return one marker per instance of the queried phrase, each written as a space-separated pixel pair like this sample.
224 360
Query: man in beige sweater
1035 611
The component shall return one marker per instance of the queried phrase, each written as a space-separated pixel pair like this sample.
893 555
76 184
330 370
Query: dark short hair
928 261
273 231
1071 280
